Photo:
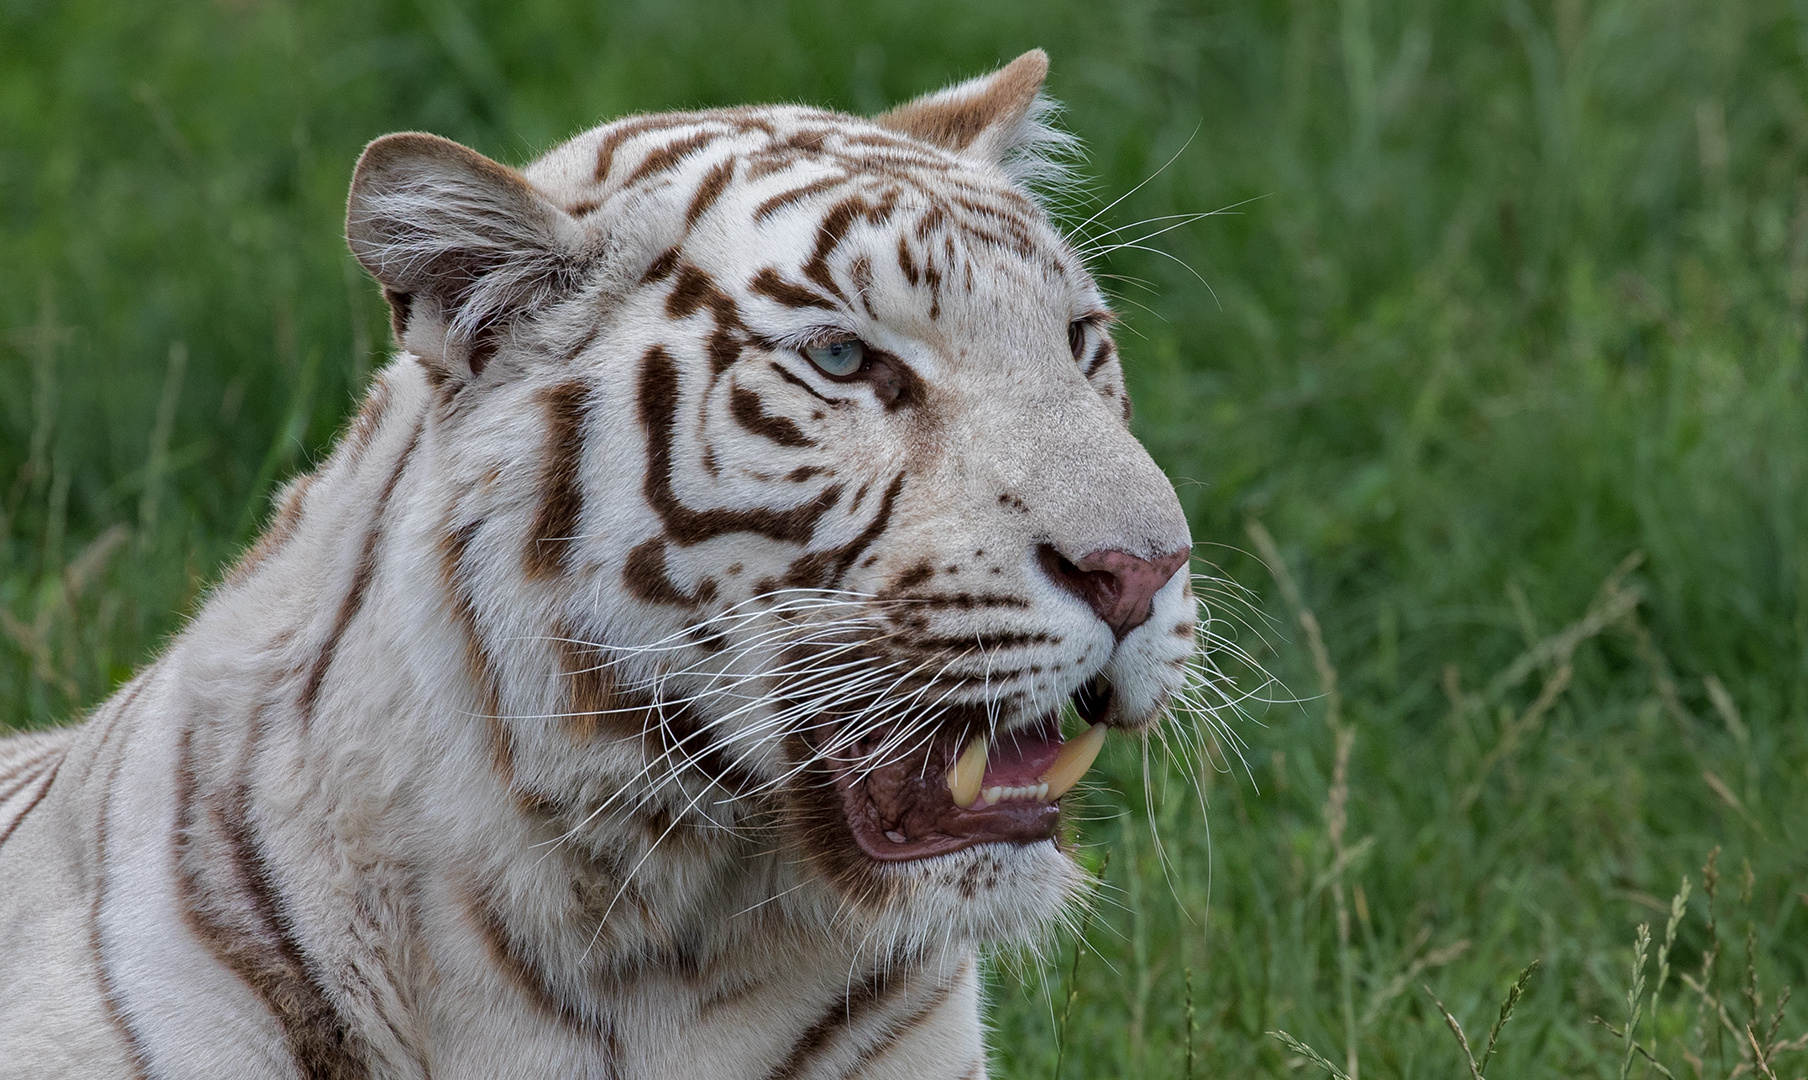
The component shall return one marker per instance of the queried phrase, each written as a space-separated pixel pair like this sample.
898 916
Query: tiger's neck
415 742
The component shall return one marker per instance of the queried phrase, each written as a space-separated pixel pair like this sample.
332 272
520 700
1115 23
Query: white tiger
663 676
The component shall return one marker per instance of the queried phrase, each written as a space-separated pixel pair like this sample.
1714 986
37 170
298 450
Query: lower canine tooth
967 772
1076 756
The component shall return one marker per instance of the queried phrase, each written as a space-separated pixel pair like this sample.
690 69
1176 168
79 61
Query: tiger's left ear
992 118
461 245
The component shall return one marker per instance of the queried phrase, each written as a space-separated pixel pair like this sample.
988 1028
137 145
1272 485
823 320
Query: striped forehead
733 168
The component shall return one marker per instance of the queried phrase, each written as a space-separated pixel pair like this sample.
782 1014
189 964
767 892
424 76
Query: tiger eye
838 358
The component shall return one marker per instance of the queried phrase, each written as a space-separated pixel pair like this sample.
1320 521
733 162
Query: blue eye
838 358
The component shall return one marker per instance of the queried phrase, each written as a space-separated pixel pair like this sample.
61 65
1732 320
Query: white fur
425 810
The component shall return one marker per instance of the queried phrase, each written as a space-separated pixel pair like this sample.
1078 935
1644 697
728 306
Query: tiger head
791 492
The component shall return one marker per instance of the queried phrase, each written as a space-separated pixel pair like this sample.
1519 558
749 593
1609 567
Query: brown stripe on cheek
528 978
749 411
482 669
657 409
232 902
594 703
353 600
647 580
826 568
561 503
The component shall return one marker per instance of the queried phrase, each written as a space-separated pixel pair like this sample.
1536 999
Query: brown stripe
695 290
906 263
661 268
749 411
453 545
594 704
846 1012
670 156
233 903
658 414
645 575
825 569
354 596
783 199
109 994
714 183
28 766
627 129
527 976
561 505
807 388
281 528
898 1027
768 283
46 779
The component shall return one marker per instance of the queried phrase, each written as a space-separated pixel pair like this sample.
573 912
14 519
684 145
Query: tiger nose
1119 586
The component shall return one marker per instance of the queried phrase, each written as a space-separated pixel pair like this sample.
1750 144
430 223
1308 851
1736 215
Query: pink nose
1118 585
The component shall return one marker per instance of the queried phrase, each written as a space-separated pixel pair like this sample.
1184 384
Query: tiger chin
677 668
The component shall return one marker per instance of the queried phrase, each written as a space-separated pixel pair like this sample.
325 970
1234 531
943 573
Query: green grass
1510 340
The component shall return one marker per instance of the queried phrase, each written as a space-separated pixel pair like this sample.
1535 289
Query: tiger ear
994 118
460 244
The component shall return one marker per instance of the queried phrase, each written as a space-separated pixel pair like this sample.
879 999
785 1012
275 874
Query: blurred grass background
1501 366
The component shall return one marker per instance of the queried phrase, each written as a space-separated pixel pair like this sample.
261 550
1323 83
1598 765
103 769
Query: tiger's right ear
460 244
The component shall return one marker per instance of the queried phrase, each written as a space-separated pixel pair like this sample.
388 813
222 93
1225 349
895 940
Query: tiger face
827 511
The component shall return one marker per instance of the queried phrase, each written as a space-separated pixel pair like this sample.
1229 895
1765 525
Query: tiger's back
665 674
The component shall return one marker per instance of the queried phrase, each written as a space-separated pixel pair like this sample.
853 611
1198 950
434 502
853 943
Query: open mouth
952 795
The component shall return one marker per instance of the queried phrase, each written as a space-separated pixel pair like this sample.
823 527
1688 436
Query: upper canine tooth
967 771
1076 756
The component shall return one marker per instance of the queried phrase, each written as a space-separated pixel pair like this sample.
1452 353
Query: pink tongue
1019 758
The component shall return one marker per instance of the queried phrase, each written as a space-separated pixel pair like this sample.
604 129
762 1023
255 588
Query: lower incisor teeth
998 794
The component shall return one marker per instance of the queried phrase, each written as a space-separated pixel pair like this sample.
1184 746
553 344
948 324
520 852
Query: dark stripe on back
670 156
605 151
714 183
44 779
561 505
232 902
277 533
109 994
361 575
